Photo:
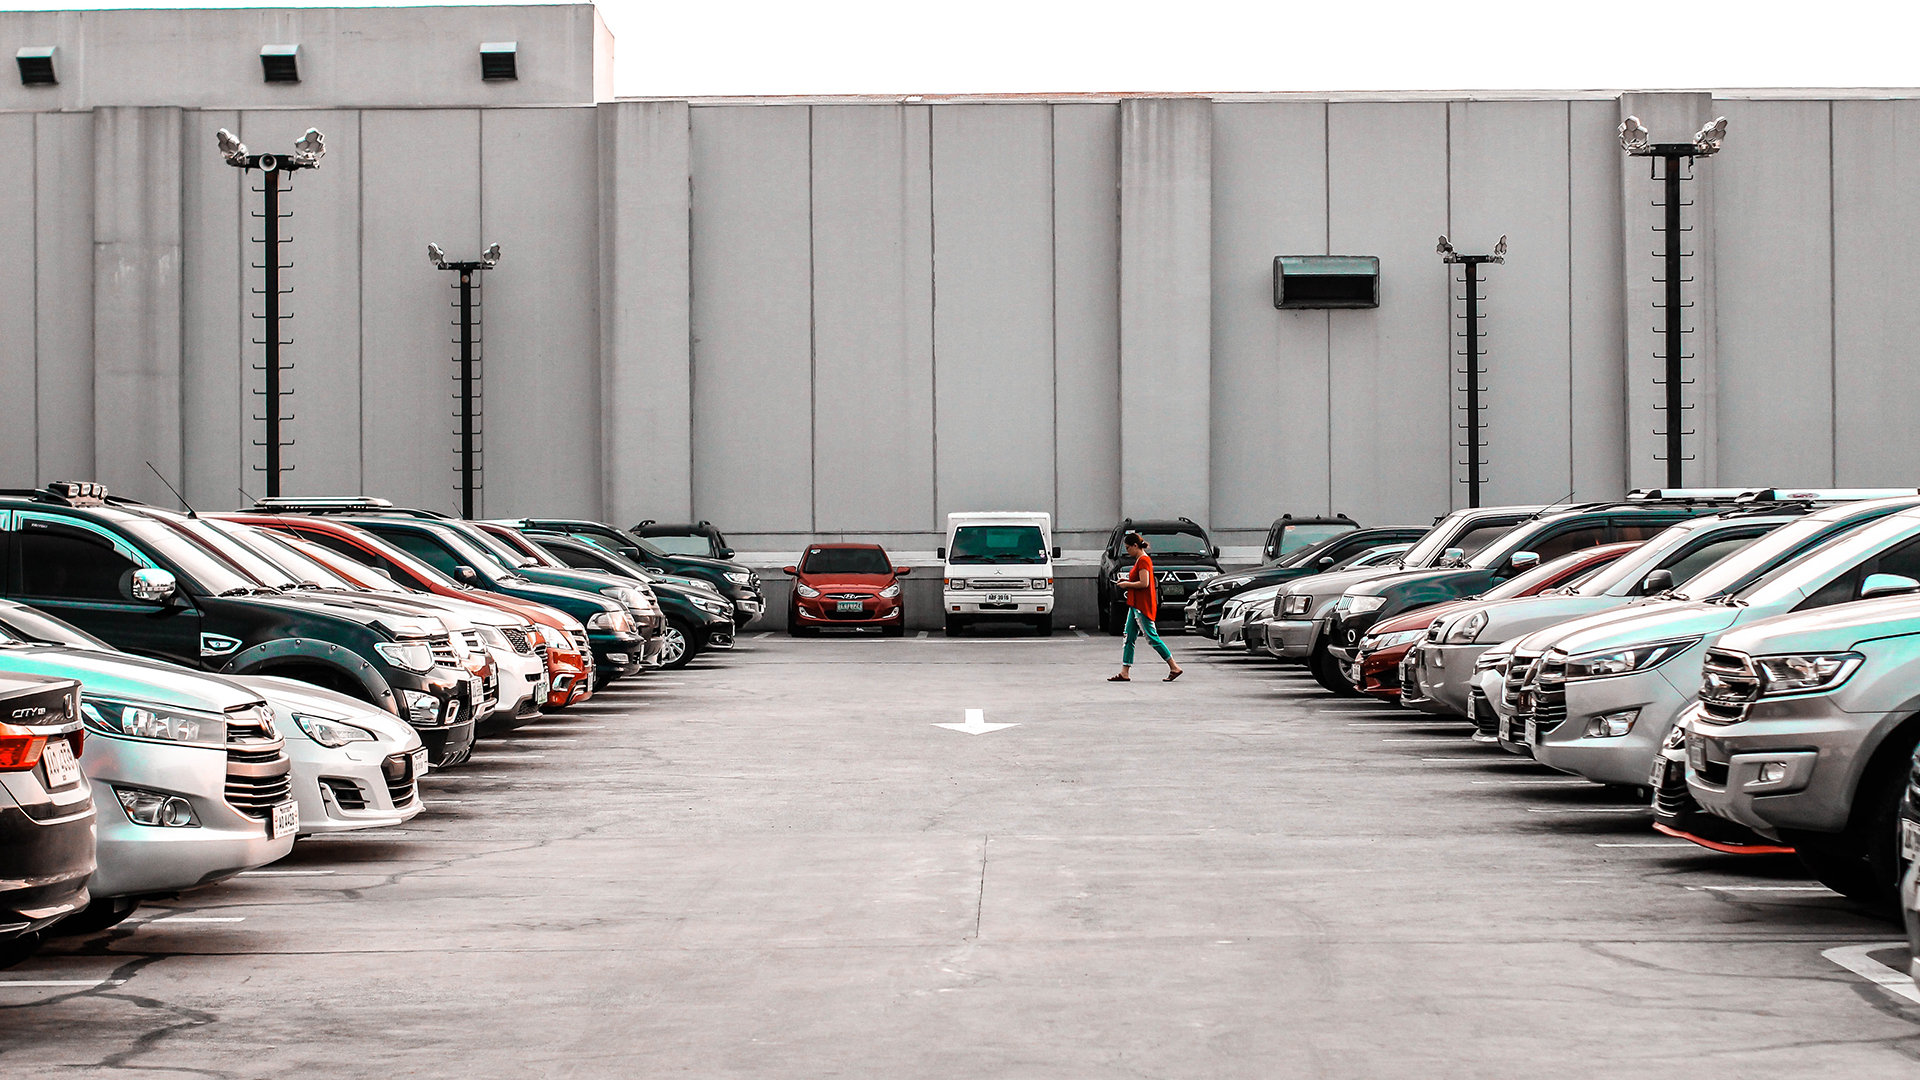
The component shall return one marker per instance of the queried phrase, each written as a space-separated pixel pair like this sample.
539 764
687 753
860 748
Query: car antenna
175 490
1567 498
243 494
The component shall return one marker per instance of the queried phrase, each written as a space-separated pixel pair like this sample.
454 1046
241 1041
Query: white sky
717 47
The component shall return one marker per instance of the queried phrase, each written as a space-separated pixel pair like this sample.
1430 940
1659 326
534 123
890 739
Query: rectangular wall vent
497 60
1326 281
280 63
36 66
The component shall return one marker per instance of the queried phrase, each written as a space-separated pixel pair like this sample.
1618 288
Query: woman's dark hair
1135 539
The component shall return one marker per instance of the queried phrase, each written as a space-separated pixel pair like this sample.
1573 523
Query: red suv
852 585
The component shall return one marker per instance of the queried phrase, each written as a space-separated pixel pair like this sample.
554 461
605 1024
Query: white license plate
1697 754
1657 779
1533 733
999 598
850 605
540 691
1471 703
420 763
285 820
62 770
1909 840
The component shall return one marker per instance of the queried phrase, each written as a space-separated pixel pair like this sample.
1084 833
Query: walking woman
1143 603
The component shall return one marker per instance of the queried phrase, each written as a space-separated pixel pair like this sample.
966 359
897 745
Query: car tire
954 626
1326 672
896 630
1840 866
15 949
1044 626
680 647
103 912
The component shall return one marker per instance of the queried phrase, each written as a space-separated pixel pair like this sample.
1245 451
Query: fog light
153 808
616 658
421 708
1612 725
1771 772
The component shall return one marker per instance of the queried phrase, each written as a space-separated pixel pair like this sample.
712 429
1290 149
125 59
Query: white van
999 568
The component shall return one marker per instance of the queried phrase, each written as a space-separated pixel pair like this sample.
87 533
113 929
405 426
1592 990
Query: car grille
1519 670
442 647
849 596
398 770
1485 721
1671 799
580 643
1913 783
259 775
347 795
1728 686
996 584
1550 691
517 637
472 638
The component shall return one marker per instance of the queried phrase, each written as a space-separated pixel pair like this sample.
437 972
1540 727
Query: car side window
1903 559
1482 535
1641 529
59 563
1693 560
426 550
363 557
572 558
1580 536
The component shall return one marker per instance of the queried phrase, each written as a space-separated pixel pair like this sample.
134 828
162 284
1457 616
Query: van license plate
999 598
62 770
285 820
850 605
1909 840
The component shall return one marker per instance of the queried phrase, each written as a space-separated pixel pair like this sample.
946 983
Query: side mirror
1325 560
902 571
726 553
466 574
1056 552
1522 561
790 571
1656 582
1216 552
940 553
1887 585
382 572
154 586
1454 555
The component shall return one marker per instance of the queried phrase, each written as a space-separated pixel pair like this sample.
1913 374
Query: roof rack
339 504
1831 494
64 493
1695 495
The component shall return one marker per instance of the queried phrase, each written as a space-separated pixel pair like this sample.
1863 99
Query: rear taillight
19 749
77 738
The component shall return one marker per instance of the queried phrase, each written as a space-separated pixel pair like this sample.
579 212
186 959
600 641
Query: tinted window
427 550
1640 529
71 564
1902 559
575 558
997 544
682 545
1180 543
1692 562
846 561
1475 539
1294 537
1572 540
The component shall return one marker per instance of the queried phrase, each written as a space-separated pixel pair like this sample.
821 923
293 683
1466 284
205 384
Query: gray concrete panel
993 307
370 56
1390 372
321 364
1774 293
1269 411
1086 315
1508 176
1166 283
540 326
752 319
873 319
1596 334
18 449
63 294
136 288
1876 274
1671 117
406 322
646 345
216 410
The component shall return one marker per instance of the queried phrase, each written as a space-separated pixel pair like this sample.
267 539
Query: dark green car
737 583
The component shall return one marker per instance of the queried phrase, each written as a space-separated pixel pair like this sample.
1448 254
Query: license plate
285 820
850 605
1471 704
420 763
1533 733
540 691
999 598
1515 733
1909 840
62 770
1697 754
1657 779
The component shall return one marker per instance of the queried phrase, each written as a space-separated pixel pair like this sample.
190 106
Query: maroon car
846 585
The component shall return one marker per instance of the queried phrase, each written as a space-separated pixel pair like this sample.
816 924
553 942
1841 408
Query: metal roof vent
280 63
497 60
36 66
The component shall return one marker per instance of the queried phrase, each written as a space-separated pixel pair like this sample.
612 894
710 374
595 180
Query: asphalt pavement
777 864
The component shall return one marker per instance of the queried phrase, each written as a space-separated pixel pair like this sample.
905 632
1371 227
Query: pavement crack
980 901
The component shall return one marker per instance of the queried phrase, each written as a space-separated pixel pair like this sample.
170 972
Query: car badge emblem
217 644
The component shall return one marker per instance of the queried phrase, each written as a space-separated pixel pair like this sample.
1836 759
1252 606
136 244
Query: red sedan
1387 642
846 585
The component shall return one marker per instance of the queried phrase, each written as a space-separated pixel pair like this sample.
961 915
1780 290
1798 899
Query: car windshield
1437 541
1295 537
681 544
998 544
1175 543
1631 568
206 569
1809 571
357 573
282 555
25 624
208 536
863 560
495 548
1739 570
1372 557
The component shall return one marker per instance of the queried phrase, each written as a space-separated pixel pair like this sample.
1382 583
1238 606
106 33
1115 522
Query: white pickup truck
999 568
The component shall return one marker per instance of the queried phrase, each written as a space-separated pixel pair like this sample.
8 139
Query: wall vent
1326 281
36 66
497 60
280 63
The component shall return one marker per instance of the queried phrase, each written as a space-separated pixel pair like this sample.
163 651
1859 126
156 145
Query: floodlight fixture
436 256
310 148
490 258
231 148
1634 136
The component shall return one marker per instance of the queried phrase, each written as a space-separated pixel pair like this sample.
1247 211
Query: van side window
426 550
71 564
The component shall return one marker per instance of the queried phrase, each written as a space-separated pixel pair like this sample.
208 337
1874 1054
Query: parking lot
775 864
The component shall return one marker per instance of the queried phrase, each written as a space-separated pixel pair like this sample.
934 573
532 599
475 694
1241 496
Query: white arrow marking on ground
976 723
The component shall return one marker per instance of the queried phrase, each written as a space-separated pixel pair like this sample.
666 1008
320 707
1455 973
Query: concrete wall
848 317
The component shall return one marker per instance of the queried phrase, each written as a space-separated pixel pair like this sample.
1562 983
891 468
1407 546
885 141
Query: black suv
1205 604
1183 559
700 538
1289 534
738 584
144 580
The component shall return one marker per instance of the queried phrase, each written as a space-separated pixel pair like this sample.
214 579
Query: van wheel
1326 672
103 912
954 626
1044 627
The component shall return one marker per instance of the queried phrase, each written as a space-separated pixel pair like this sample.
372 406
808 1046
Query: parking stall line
1549 781
198 919
1655 844
1450 739
284 873
61 982
1589 809
1855 958
1762 888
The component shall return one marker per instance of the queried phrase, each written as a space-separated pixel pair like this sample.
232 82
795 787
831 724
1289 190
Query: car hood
558 587
288 696
1522 615
1256 596
396 621
1828 629
846 581
1619 629
1333 586
118 675
1379 585
704 563
1420 619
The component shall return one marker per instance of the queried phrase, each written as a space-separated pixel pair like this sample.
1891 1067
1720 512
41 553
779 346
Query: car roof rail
341 504
1831 494
1692 495
64 493
645 523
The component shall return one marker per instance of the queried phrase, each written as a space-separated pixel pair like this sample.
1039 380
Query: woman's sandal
1119 678
1172 675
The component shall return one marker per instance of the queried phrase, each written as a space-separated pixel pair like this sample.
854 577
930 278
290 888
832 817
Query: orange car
569 667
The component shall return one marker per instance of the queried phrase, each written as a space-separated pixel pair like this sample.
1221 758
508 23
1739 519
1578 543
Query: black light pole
1472 264
487 261
1635 140
306 155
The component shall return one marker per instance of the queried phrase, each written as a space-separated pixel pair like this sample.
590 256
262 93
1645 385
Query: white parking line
1761 888
61 982
200 918
1551 781
1502 759
1082 633
763 635
1590 810
1661 843
921 634
1894 981
1448 739
516 757
284 873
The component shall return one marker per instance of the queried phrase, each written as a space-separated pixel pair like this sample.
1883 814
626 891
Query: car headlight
891 590
330 732
712 606
1360 605
414 656
1231 608
1296 605
739 577
1805 673
628 596
1467 630
810 592
423 709
1223 584
1042 582
617 622
1388 641
151 720
1600 665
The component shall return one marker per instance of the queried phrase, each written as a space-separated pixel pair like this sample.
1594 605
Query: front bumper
1379 672
1344 630
44 862
875 610
1293 639
357 786
1627 759
1446 674
1811 737
747 606
1013 604
617 655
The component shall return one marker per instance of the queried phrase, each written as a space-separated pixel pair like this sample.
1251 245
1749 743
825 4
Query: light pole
307 152
1636 140
487 261
1472 264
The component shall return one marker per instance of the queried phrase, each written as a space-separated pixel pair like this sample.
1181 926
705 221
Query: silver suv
1805 732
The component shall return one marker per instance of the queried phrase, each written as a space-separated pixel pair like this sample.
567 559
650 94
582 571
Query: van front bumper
1018 603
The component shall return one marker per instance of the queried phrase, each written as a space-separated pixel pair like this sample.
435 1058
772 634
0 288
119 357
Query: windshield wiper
247 590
